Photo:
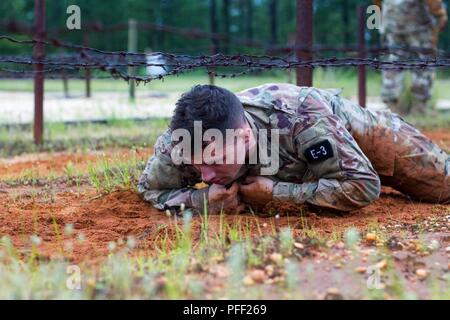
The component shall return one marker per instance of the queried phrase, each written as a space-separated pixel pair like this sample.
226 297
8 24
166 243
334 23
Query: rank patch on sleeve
319 152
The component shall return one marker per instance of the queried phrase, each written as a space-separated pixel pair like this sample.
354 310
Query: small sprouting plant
94 177
292 278
204 221
69 170
352 237
236 263
286 241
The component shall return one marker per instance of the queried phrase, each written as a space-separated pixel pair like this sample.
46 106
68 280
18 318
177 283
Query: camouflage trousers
404 158
422 169
422 79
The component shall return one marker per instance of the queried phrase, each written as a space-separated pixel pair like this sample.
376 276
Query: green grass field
323 78
122 133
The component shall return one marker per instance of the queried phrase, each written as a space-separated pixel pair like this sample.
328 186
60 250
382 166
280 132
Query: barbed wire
396 50
115 62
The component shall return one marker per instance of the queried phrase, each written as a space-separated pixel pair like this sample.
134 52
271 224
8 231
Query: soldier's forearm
340 195
163 199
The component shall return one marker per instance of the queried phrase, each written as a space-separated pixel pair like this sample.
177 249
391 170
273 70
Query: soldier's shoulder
272 86
278 96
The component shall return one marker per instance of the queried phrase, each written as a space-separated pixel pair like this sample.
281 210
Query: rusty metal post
65 84
213 48
132 47
304 41
87 71
39 55
211 70
361 54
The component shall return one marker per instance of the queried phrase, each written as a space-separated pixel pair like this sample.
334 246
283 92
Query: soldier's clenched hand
221 198
256 191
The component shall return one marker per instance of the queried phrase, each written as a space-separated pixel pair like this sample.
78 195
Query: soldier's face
224 163
222 167
219 173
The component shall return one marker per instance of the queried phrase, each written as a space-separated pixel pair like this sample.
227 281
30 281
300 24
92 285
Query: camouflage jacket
409 16
312 122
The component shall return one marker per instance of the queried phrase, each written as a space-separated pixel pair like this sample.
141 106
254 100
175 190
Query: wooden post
211 70
361 54
304 41
132 47
214 42
87 71
39 55
65 84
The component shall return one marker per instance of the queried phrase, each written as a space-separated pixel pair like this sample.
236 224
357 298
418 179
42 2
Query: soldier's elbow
373 190
364 192
143 184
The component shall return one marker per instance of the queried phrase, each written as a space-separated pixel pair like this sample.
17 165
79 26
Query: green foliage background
335 22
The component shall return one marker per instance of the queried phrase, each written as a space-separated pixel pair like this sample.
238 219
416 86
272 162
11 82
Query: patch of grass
15 140
109 175
430 122
180 269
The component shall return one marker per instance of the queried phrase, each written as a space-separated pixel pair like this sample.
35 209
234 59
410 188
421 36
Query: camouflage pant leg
422 169
422 79
393 80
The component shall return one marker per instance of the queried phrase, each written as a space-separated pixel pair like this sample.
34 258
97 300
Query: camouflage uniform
410 23
362 147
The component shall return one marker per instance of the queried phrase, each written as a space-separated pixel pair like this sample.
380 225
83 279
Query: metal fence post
65 84
87 71
361 54
211 70
304 41
132 47
213 48
39 55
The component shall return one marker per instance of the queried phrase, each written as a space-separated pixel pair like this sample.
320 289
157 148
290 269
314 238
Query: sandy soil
45 209
115 216
31 210
42 165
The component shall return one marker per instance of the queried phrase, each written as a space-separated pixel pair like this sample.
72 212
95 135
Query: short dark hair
216 107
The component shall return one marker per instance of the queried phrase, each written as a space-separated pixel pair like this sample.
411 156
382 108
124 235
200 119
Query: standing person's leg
422 79
393 80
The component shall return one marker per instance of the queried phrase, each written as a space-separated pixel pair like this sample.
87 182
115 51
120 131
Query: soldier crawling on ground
332 153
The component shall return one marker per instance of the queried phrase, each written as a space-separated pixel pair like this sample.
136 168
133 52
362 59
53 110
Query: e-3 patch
319 152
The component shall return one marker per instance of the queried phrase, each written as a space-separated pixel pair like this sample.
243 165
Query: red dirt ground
441 137
30 210
43 164
122 214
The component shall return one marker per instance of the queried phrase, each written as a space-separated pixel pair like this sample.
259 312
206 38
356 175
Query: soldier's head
216 108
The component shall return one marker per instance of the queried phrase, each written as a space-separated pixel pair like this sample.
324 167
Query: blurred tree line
271 22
